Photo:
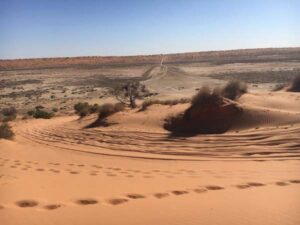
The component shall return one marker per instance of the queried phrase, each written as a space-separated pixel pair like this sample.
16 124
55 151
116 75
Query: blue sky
50 28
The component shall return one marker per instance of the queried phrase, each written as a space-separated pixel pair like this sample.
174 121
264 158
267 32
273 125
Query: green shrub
41 114
8 114
83 109
5 131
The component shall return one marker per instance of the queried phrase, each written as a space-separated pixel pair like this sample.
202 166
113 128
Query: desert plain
134 171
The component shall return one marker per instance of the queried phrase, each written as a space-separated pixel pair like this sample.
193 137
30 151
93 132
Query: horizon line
137 55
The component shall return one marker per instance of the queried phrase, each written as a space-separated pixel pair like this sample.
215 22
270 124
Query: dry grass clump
8 114
6 131
206 96
105 111
295 85
234 89
209 113
170 102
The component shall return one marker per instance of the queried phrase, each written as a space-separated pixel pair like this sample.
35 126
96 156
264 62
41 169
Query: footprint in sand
40 169
96 166
294 181
200 190
52 206
135 196
111 175
179 192
117 201
281 183
255 184
74 172
243 186
27 203
54 171
214 187
93 174
87 201
161 195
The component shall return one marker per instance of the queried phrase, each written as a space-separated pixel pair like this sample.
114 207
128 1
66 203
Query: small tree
129 92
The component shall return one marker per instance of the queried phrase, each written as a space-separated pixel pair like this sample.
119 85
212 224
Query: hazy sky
49 28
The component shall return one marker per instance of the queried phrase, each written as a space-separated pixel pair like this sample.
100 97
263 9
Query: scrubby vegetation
279 87
6 131
83 109
209 113
40 113
105 111
128 93
8 114
295 85
170 102
234 89
206 96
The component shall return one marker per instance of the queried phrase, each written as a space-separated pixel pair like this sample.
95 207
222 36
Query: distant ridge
228 56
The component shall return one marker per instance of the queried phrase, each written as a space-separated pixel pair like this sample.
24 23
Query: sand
56 172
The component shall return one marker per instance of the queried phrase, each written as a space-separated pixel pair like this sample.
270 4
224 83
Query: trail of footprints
112 171
93 170
135 196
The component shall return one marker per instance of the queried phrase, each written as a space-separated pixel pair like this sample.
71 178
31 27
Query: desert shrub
93 108
295 86
39 107
105 111
6 131
150 102
41 114
55 110
209 113
8 114
279 87
30 112
205 95
234 89
83 109
109 109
